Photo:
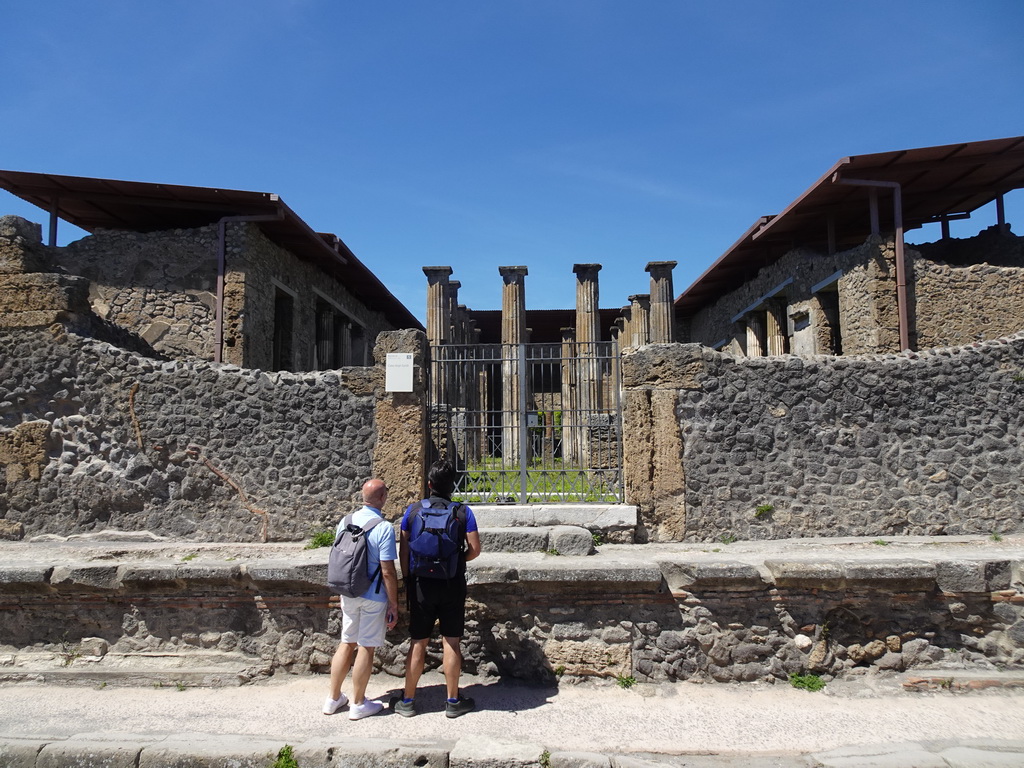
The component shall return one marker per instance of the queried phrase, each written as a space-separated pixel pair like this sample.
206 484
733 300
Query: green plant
285 758
545 759
192 556
624 681
560 670
180 685
68 651
881 542
727 538
102 685
806 682
321 539
763 509
598 538
947 683
996 536
1019 376
551 551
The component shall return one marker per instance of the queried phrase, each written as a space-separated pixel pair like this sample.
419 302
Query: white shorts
363 621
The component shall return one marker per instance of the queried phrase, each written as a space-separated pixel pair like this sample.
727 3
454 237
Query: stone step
563 539
615 522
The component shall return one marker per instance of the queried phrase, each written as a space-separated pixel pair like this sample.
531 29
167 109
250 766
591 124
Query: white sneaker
367 708
333 705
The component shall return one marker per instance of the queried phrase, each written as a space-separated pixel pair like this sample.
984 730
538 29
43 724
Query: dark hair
441 477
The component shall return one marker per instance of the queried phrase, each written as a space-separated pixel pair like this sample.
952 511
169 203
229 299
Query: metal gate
529 423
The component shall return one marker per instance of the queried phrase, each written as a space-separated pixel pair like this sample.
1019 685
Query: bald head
375 493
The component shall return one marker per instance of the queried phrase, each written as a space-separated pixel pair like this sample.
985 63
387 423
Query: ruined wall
162 287
265 262
967 300
93 437
867 299
776 447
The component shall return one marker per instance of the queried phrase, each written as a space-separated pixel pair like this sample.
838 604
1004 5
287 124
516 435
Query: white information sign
398 373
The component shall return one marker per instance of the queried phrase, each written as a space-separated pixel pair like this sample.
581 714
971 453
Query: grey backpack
348 571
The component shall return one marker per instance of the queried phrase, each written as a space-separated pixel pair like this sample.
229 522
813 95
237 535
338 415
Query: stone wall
162 287
678 617
94 437
867 289
777 447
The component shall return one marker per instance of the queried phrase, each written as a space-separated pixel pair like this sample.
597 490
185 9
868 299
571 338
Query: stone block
149 575
970 757
19 753
571 540
212 573
960 576
806 574
14 575
476 751
897 575
514 539
210 751
44 292
376 753
88 753
286 574
683 574
15 226
12 530
579 760
96 576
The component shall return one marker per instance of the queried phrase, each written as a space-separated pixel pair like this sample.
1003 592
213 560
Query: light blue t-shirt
380 545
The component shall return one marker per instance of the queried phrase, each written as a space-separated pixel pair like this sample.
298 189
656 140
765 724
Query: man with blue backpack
438 538
362 570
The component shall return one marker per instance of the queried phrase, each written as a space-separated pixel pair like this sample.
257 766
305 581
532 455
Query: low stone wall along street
655 613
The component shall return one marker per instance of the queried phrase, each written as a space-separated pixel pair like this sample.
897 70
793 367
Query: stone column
662 317
570 416
439 320
776 320
513 330
588 334
453 311
755 330
640 324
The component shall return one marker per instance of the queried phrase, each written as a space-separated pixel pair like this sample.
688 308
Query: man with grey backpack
361 568
438 537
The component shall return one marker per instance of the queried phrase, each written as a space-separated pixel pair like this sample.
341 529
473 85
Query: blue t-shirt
380 545
470 517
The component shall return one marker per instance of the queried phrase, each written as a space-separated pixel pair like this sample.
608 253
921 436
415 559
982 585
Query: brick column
438 304
662 317
776 320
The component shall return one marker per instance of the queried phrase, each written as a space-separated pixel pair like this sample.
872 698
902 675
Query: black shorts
435 600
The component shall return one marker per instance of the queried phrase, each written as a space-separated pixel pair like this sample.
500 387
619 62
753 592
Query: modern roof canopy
852 200
136 206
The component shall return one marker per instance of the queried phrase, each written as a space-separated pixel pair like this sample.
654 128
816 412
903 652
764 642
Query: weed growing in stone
68 652
321 539
545 759
727 538
598 538
763 510
180 685
285 758
560 670
881 542
996 536
806 682
551 551
624 681
192 556
947 683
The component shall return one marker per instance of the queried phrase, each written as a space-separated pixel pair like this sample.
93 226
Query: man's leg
361 672
340 664
452 663
414 663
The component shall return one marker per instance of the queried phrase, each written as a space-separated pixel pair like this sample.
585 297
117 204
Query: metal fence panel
529 423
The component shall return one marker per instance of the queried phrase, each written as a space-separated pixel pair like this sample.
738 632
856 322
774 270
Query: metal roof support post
1000 214
873 207
54 206
944 221
901 270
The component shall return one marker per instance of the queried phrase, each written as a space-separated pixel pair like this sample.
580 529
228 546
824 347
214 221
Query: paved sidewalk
870 721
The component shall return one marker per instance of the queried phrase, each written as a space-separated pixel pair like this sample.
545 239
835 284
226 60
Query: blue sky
479 134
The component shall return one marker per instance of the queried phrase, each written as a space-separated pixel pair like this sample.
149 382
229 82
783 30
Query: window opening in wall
284 313
325 337
358 341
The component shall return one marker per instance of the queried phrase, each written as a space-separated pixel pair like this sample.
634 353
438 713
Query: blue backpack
436 533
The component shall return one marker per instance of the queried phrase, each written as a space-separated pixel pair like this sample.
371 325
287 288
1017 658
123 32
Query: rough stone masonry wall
867 292
94 437
775 447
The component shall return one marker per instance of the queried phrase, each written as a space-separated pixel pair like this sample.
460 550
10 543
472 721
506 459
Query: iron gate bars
529 423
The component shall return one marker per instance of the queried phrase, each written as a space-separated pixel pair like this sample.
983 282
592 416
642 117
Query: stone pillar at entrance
776 321
662 308
570 413
439 320
588 334
513 335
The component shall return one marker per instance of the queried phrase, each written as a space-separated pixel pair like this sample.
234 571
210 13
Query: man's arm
472 545
387 570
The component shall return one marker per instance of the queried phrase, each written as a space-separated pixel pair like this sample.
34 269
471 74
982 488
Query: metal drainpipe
218 327
901 268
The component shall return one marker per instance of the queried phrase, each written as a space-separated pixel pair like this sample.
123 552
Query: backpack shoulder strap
372 524
345 522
